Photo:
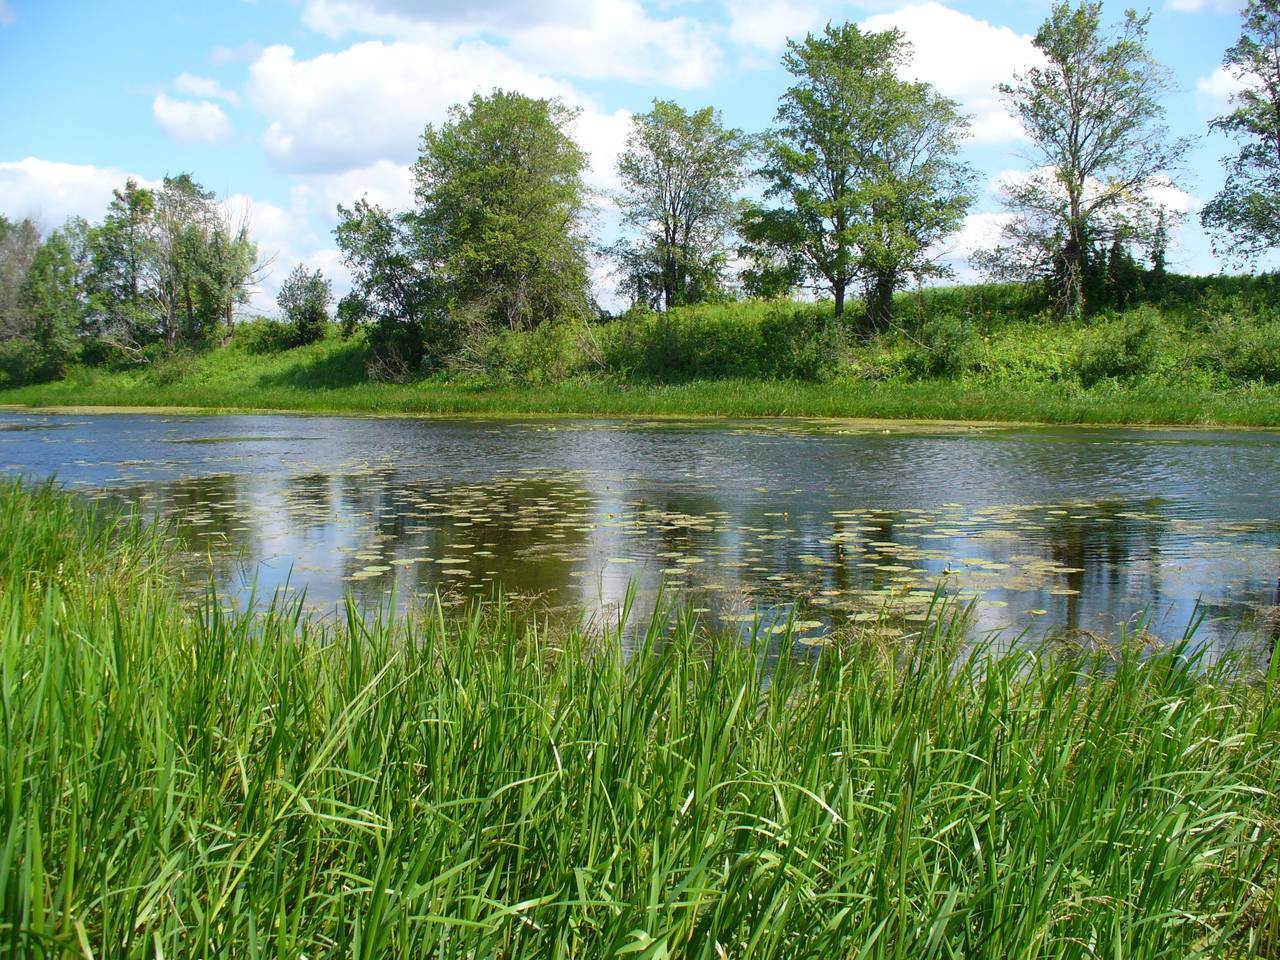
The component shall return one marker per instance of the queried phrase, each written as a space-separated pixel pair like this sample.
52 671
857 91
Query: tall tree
50 303
396 286
679 173
19 241
866 166
1244 218
185 219
500 186
122 247
1093 114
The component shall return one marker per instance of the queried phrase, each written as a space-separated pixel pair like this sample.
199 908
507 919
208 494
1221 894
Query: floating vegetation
278 512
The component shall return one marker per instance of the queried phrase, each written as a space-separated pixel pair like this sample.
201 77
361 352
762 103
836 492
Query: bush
550 353
167 369
747 339
946 346
304 299
1246 350
1120 347
264 335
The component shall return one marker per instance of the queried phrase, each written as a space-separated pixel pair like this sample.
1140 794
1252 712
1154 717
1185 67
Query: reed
187 781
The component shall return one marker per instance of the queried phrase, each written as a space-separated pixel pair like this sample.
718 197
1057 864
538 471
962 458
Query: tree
1244 218
19 241
122 247
865 164
185 218
396 286
679 173
226 265
1093 114
50 304
499 187
304 299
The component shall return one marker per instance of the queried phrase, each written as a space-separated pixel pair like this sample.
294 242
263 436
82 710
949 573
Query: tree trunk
880 304
838 290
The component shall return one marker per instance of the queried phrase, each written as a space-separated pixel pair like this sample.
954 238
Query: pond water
1041 528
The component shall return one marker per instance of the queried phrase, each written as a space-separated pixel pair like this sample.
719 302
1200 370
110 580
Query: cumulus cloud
764 26
602 39
49 192
203 87
965 58
368 103
191 121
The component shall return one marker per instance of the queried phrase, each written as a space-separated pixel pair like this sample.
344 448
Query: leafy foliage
679 173
1121 348
1244 217
395 287
1093 113
865 165
500 193
304 299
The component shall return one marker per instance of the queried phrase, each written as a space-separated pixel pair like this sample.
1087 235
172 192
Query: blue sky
287 107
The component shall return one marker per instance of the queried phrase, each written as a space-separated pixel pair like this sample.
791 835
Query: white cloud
384 183
368 103
204 87
49 192
191 121
764 26
580 38
964 58
244 53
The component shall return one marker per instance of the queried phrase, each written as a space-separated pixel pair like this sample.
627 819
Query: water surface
1082 529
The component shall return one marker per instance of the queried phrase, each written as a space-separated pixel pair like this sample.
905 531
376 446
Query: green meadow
183 780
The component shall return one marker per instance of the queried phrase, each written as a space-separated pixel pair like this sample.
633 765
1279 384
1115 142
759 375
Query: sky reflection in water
1044 528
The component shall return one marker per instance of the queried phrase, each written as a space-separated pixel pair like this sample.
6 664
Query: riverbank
195 782
1205 354
940 400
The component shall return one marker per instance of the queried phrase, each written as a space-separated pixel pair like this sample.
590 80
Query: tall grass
187 782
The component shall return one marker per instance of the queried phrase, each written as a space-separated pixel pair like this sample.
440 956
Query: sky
287 108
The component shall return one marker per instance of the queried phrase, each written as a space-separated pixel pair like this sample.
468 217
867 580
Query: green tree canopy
51 306
1093 114
304 300
865 166
499 187
1244 218
679 171
19 241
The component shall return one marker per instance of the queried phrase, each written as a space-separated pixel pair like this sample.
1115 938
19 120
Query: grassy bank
1206 354
302 380
184 782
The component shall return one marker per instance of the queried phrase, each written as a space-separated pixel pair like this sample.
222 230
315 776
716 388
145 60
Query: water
1042 528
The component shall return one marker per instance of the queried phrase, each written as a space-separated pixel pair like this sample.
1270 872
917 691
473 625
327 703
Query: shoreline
633 416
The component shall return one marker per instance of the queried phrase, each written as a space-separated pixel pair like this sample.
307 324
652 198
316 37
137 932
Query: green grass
299 380
186 782
1206 353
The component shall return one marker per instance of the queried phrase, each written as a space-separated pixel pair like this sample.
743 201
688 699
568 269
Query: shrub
1120 347
780 340
1246 350
264 335
550 353
167 369
945 346
304 300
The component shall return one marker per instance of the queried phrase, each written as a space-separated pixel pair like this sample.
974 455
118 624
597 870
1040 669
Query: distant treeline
859 187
